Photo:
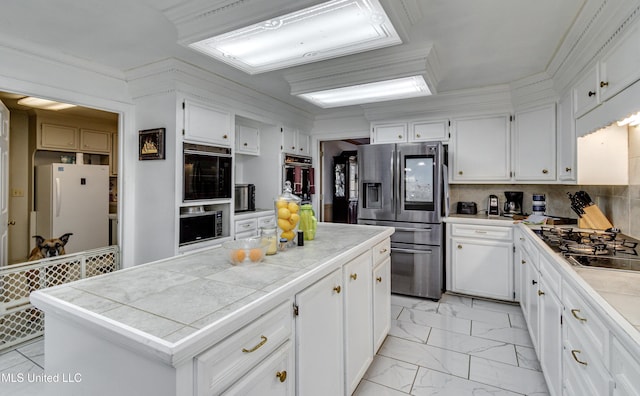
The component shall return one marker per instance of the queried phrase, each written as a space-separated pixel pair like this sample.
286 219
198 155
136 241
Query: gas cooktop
593 248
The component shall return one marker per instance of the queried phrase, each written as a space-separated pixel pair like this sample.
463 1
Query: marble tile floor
454 347
457 346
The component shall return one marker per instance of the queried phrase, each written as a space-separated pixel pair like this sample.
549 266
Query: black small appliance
492 206
513 204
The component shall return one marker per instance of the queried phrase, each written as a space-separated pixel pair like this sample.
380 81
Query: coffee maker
513 204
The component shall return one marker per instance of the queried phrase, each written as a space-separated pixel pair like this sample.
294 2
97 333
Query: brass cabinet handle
379 279
354 276
293 147
545 171
383 250
540 293
574 312
604 84
573 353
523 261
459 246
12 222
567 169
399 136
245 144
459 172
261 343
282 375
225 136
591 93
337 289
417 135
534 282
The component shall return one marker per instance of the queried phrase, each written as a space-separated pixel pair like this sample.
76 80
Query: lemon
288 235
285 225
281 203
294 219
293 207
283 213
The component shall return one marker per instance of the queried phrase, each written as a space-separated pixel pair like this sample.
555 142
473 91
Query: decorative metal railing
19 320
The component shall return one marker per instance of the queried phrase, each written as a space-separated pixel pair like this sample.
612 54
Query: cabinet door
482 268
550 345
382 133
303 144
95 141
59 137
203 123
422 131
358 344
619 67
535 144
289 143
566 140
274 376
481 149
247 140
586 95
319 335
533 277
381 302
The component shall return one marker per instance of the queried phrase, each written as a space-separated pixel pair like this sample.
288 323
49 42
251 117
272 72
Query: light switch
17 192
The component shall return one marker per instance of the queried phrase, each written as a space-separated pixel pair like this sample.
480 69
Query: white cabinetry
481 149
207 124
247 140
381 293
357 319
550 322
93 141
535 144
319 338
295 142
566 165
624 369
481 260
248 225
408 132
586 95
246 228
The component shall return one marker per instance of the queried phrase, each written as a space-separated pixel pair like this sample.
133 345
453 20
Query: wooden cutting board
594 218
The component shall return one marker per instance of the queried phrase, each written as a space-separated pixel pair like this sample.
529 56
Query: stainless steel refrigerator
405 186
73 198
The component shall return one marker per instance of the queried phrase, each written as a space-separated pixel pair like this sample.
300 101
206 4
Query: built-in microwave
207 172
199 225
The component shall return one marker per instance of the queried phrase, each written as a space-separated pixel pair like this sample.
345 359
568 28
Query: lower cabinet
357 320
550 330
381 302
319 338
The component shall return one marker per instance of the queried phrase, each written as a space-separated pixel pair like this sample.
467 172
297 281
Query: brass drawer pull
282 375
383 250
604 84
379 279
545 171
225 136
540 293
337 289
261 343
523 261
574 312
354 276
573 353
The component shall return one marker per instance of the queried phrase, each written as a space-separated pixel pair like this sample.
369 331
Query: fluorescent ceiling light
328 30
43 103
399 88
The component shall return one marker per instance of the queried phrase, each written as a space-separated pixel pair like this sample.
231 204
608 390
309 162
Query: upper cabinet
534 155
95 141
295 142
207 124
566 139
616 70
408 132
247 140
481 149
58 137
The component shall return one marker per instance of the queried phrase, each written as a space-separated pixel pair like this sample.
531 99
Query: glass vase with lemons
287 208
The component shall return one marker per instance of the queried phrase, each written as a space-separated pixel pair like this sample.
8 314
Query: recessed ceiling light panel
45 104
399 88
328 30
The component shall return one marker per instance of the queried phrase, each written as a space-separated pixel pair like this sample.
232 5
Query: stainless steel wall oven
207 172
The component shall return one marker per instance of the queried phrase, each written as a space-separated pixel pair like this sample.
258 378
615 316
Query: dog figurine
46 248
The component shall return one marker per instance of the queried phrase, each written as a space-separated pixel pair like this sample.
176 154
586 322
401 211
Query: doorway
339 180
73 135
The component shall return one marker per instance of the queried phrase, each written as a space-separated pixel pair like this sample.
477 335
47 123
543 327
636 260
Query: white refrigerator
73 198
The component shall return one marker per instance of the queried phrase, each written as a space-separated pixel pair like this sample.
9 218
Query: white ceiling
478 42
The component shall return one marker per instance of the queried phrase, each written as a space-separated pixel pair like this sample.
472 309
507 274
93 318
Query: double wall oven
405 186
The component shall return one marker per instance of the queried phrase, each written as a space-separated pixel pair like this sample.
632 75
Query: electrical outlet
17 192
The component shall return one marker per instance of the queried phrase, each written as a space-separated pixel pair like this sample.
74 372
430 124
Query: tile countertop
170 304
616 292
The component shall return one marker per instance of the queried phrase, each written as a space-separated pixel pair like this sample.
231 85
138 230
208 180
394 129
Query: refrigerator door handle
414 251
445 183
413 229
58 196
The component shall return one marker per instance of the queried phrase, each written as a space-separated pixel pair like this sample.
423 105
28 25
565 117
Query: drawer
484 232
552 278
267 221
584 321
246 225
381 251
220 366
583 367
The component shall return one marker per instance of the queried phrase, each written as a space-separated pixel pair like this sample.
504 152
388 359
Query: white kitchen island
196 325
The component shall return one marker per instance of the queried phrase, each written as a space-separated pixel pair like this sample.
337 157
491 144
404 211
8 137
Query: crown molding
368 67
